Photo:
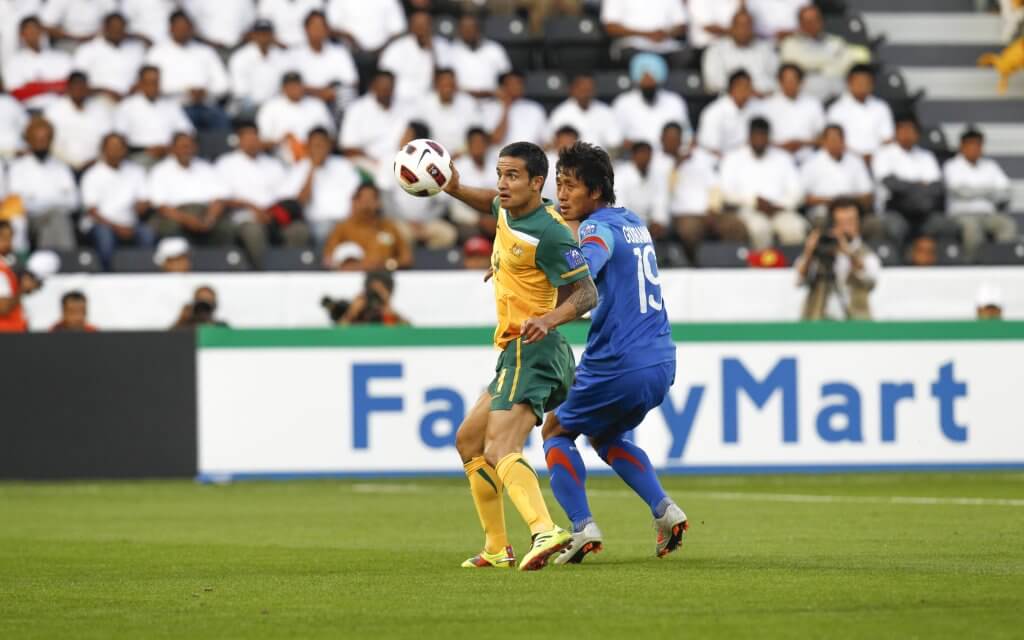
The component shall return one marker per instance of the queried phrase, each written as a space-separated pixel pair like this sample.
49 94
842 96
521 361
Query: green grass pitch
835 556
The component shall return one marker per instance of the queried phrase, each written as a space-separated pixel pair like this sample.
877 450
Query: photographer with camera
371 306
837 267
200 311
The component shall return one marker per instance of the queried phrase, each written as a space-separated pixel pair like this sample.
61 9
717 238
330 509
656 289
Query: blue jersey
630 327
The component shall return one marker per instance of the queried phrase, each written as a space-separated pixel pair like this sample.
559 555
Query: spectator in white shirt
978 191
193 73
652 25
288 17
79 123
148 121
478 62
12 12
449 112
595 121
188 196
643 112
114 199
413 58
797 120
256 70
323 184
866 120
825 57
775 19
222 24
910 183
148 19
696 206
476 166
710 20
327 68
513 117
741 50
75 20
47 190
253 181
762 183
286 120
724 123
374 124
13 118
111 60
366 26
565 137
36 74
644 185
832 173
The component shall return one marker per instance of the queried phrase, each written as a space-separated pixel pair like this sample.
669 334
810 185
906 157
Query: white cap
43 264
170 248
989 295
346 251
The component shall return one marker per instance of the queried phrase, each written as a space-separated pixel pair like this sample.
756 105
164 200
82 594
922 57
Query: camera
336 309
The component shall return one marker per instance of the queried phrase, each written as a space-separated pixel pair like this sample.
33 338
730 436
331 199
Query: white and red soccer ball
423 167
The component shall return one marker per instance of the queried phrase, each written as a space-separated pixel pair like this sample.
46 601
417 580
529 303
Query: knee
493 453
468 445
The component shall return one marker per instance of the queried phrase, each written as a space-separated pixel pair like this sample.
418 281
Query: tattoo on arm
583 296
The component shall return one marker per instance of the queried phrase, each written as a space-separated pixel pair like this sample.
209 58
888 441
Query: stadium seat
892 87
791 252
133 260
888 253
851 28
722 255
218 259
437 259
934 139
213 143
610 84
1009 253
547 87
671 255
445 25
79 261
687 83
575 44
514 33
950 254
288 259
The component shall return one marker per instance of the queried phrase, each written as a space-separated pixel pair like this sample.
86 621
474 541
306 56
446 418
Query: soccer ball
422 167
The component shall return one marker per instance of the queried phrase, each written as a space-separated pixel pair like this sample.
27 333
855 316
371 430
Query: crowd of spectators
108 108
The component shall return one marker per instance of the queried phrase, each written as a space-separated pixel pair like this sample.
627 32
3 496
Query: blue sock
634 467
568 479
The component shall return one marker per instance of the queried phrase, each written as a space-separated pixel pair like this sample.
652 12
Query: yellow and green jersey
533 256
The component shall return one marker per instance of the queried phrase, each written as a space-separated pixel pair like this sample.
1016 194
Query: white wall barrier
460 298
747 398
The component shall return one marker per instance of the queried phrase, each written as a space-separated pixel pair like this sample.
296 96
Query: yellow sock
485 485
523 488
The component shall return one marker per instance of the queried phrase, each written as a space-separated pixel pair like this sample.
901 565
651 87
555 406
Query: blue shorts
609 406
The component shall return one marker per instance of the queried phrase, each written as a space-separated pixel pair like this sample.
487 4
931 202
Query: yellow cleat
502 560
545 545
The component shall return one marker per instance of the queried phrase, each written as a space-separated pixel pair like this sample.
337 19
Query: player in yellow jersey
541 281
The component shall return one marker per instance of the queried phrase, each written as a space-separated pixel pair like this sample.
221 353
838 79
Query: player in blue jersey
629 363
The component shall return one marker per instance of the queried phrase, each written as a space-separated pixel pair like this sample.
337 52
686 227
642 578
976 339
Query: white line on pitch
736 496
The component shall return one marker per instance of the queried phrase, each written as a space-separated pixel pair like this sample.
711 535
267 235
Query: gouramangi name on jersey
574 258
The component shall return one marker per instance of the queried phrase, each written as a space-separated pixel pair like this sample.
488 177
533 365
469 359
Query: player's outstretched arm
581 298
476 197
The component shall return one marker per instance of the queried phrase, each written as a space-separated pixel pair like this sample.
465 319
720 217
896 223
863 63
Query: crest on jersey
516 250
574 258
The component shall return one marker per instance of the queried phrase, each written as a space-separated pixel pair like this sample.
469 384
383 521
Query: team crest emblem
517 251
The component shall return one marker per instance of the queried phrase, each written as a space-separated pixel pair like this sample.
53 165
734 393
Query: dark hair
75 295
760 125
841 203
534 157
672 125
318 131
640 145
177 14
440 71
907 118
291 76
181 134
580 75
789 66
77 76
245 123
315 13
508 74
27 20
113 15
365 184
4 224
972 134
476 131
146 68
419 129
113 134
568 129
381 73
736 76
591 165
834 127
860 68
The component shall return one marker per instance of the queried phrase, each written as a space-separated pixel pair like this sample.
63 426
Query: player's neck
531 205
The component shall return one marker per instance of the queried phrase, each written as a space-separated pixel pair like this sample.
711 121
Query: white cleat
587 541
671 528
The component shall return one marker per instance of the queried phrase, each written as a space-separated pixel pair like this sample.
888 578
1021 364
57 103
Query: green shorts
537 374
